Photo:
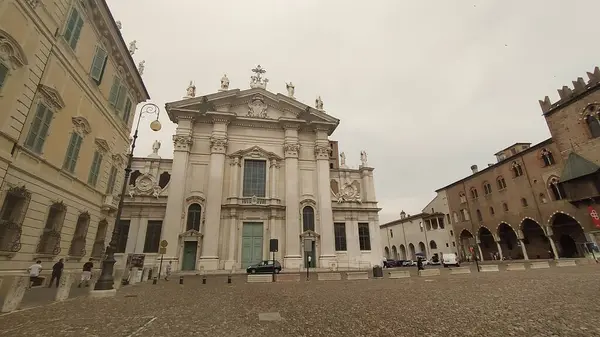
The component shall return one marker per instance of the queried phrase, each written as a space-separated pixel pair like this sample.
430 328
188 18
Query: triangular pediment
577 167
255 152
252 105
52 97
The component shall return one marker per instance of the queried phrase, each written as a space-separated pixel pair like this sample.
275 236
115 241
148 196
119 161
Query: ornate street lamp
106 281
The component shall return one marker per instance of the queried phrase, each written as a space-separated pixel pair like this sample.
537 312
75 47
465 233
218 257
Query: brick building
538 200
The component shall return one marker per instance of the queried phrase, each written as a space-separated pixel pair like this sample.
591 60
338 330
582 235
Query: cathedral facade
250 166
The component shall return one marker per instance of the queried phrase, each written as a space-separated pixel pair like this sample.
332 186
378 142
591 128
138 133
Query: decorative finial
319 103
132 47
119 25
141 67
290 89
256 81
224 83
191 90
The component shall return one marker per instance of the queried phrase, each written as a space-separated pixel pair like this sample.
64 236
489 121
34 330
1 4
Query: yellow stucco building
68 91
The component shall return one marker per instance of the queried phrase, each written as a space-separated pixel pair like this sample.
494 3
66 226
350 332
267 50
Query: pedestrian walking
86 275
57 270
168 271
419 264
34 273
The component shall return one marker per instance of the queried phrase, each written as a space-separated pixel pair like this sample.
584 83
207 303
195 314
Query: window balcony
110 203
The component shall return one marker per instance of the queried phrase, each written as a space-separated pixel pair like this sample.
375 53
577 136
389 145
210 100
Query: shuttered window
121 99
95 169
112 178
39 129
72 152
114 91
127 111
98 65
3 74
73 29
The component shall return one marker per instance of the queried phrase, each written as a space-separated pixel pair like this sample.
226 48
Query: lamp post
106 281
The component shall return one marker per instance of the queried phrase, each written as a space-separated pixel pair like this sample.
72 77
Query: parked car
264 267
409 263
450 259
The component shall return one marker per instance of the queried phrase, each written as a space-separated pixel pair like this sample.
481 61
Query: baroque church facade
250 166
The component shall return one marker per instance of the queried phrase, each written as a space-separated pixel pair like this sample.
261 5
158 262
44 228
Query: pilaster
291 148
235 163
174 213
141 234
274 165
324 198
232 226
134 225
209 259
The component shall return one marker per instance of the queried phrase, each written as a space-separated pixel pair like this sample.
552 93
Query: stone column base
230 265
208 263
328 262
103 293
292 262
16 290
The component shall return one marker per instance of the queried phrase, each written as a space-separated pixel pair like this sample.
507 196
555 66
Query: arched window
501 183
505 207
432 244
487 188
308 219
133 177
492 212
194 217
558 193
592 119
463 197
543 199
516 169
524 202
78 242
479 216
164 179
547 157
474 193
455 216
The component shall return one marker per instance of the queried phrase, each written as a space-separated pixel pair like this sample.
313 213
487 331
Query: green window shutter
72 152
39 129
95 169
110 186
98 65
3 74
76 32
114 91
127 111
69 154
71 25
121 98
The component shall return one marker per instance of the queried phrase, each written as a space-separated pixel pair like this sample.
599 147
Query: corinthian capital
291 149
182 142
322 151
218 144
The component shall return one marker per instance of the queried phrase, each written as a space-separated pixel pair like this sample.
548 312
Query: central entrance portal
252 243
189 255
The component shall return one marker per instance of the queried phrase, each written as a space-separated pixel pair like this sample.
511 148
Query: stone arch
394 252
11 51
489 250
423 248
557 192
535 239
466 239
387 252
402 252
195 212
432 244
509 241
568 235
411 251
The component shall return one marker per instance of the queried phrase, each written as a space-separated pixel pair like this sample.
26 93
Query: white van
450 259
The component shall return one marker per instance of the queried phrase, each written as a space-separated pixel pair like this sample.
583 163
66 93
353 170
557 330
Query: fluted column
324 198
216 168
291 148
173 221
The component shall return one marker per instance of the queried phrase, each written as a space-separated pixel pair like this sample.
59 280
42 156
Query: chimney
474 169
490 165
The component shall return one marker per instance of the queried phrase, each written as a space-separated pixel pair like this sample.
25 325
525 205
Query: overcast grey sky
427 88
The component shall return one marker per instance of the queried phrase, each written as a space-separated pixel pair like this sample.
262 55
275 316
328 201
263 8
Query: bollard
181 279
155 280
228 278
203 279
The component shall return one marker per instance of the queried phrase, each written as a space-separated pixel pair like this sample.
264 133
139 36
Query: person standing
168 271
34 272
57 270
86 275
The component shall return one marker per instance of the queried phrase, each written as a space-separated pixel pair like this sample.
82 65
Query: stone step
539 265
488 267
399 274
288 278
565 263
260 278
361 275
429 272
515 266
329 276
460 270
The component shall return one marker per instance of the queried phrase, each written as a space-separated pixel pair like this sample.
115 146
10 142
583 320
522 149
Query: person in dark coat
57 270
419 264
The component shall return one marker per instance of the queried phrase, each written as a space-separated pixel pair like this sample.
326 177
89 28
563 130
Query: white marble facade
249 166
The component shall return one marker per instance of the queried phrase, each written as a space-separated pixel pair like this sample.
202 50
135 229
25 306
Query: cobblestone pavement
550 302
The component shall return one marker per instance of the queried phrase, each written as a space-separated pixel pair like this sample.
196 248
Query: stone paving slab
547 302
